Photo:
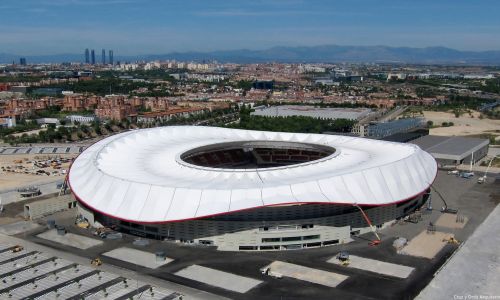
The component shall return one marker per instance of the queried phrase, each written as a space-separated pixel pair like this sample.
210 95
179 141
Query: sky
134 27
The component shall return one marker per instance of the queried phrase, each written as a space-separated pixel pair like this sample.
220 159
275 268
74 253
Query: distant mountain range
326 53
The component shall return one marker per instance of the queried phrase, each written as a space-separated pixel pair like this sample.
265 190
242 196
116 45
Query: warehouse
454 150
325 113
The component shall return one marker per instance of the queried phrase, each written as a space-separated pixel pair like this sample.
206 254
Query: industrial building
454 150
313 112
380 130
248 190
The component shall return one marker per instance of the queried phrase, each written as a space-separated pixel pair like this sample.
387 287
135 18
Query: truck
467 175
267 271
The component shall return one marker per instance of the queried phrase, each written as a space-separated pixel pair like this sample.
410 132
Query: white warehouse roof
139 175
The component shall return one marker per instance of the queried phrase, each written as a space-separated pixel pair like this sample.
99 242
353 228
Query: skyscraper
110 57
22 61
92 56
103 56
87 56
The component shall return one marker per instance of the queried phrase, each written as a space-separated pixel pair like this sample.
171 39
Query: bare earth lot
463 125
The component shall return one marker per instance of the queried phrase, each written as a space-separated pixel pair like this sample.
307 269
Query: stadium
248 190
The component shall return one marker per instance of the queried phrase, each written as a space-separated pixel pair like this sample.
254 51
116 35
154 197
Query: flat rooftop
311 111
456 146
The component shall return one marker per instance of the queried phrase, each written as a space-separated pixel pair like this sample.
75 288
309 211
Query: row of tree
103 86
291 124
79 131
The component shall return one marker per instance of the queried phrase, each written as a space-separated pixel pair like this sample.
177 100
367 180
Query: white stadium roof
139 176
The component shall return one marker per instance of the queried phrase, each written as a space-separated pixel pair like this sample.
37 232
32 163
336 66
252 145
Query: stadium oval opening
256 154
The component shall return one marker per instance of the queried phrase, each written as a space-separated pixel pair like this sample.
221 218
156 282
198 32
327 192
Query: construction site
409 254
49 249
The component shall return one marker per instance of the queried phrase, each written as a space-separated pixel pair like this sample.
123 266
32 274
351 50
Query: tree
292 124
245 85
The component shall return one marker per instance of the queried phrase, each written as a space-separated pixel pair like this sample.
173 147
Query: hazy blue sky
160 26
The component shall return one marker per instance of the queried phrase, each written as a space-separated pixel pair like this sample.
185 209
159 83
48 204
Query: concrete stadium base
70 239
218 278
376 266
137 257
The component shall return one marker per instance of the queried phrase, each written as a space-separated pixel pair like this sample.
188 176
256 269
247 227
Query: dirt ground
463 125
12 180
31 132
426 245
450 221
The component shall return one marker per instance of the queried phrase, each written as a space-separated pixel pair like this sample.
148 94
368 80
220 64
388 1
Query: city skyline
145 27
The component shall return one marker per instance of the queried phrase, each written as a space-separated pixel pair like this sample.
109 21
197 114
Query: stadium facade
248 190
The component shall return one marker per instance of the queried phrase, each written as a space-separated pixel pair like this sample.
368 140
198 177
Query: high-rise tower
110 57
103 56
87 56
92 57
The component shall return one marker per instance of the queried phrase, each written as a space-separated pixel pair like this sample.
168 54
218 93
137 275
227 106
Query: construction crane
445 208
64 186
373 228
482 179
